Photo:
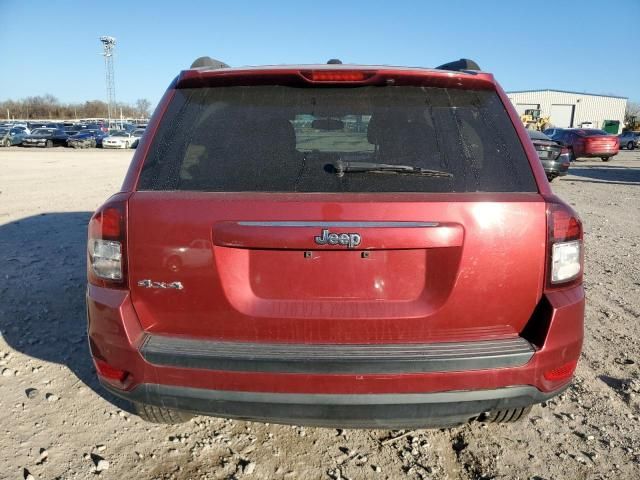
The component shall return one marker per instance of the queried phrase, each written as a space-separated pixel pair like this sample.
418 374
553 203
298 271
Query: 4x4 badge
350 240
163 285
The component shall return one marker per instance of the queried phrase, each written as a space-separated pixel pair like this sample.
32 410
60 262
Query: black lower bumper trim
414 410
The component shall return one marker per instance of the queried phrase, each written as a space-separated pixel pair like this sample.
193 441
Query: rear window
589 132
290 139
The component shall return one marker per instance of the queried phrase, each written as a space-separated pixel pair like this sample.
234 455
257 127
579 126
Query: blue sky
52 47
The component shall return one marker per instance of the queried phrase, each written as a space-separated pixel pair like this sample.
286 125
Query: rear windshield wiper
340 168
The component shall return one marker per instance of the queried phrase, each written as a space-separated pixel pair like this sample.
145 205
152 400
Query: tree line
47 106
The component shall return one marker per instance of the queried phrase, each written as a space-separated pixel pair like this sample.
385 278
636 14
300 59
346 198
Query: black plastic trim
332 358
438 409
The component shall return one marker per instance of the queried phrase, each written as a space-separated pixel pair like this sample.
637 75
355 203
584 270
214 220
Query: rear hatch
599 142
336 214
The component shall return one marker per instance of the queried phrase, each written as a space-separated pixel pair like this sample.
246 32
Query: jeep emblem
350 240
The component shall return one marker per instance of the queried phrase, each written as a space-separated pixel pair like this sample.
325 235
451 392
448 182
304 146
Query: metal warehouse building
572 109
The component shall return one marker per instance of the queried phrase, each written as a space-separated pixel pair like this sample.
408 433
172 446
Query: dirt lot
56 422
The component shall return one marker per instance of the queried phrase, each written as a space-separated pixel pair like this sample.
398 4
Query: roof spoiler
459 65
208 62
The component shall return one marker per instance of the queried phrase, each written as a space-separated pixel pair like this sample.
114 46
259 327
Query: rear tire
631 146
605 159
550 178
48 144
153 414
509 415
7 143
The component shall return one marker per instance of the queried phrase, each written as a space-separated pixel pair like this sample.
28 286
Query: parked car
20 126
11 136
137 134
550 132
629 140
72 129
33 125
418 272
587 142
86 139
554 157
45 137
120 139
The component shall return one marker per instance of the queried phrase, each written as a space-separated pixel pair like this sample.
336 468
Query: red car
337 245
588 142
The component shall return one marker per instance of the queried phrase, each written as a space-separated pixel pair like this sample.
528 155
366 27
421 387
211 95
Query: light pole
108 46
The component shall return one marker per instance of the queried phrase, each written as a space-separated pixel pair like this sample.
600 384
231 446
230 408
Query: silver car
629 140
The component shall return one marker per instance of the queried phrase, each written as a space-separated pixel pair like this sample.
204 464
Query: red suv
339 245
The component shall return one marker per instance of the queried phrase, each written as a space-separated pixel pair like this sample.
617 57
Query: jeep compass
335 245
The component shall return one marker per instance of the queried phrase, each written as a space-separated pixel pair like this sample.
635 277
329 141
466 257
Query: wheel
7 143
631 146
605 159
48 144
550 178
127 144
509 415
153 414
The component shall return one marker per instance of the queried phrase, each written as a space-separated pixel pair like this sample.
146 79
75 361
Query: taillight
106 259
564 247
337 75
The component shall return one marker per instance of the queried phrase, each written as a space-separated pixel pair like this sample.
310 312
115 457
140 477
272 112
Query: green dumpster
611 126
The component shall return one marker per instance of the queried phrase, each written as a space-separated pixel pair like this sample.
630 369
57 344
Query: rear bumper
599 153
555 168
282 386
395 411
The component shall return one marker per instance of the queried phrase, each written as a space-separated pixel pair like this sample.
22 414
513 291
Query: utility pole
108 46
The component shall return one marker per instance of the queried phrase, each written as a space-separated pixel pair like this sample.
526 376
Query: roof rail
208 62
459 65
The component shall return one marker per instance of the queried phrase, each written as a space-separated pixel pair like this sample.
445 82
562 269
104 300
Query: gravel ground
56 422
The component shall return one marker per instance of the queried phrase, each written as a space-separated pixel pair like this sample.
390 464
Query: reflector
560 373
109 372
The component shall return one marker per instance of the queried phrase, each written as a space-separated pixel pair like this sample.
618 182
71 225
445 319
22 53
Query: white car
118 140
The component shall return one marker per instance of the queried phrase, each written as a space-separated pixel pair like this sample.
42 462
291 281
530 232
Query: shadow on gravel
42 286
612 382
606 174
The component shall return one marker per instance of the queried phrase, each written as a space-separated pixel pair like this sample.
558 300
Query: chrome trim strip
340 224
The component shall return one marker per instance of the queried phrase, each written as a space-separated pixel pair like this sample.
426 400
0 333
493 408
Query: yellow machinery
533 121
633 123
